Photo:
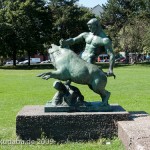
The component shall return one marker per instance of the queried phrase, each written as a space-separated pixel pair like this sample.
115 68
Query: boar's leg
103 94
41 74
98 86
105 97
57 74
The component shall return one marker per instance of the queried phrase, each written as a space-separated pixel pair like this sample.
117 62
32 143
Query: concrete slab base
135 134
32 123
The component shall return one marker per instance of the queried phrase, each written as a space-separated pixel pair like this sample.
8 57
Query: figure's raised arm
108 47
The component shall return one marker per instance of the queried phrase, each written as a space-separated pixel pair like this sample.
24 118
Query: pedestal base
135 134
32 122
87 107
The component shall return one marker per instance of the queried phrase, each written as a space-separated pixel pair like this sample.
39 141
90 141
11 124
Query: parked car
148 57
103 58
45 62
123 60
32 61
23 62
10 62
120 59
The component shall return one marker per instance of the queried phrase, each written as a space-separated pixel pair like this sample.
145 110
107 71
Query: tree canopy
32 25
27 24
127 22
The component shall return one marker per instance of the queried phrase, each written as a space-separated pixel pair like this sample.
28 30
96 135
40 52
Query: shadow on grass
106 65
144 63
137 114
26 67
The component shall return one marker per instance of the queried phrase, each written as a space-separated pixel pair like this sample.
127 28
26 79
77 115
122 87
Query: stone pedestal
135 134
32 122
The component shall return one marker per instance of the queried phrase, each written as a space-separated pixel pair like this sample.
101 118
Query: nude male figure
93 39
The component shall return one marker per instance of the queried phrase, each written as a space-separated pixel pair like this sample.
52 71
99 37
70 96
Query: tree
9 40
69 20
4 48
146 41
133 34
32 24
126 22
35 23
29 22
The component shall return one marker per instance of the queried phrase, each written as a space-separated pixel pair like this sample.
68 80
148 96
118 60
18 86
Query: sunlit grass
18 88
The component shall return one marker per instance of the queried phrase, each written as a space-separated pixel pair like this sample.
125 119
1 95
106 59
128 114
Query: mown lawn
131 90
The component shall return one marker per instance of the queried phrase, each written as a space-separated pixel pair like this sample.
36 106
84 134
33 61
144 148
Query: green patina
70 67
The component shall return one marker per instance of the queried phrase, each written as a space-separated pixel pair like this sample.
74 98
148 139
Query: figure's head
93 25
58 85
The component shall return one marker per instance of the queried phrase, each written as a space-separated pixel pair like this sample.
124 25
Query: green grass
18 88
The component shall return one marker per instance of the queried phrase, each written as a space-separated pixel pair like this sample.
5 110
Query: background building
97 10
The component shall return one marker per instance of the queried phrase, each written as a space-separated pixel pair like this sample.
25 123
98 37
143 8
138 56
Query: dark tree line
28 26
32 25
128 23
24 26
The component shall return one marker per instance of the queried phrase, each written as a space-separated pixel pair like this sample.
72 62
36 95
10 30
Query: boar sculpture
70 67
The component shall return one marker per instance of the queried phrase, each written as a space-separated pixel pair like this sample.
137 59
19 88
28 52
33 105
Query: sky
91 3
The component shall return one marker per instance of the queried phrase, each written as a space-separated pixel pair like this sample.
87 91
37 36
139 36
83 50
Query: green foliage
32 25
35 24
5 39
126 22
9 40
55 3
146 40
27 24
69 20
133 35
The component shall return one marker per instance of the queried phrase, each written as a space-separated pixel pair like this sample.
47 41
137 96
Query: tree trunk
14 57
28 57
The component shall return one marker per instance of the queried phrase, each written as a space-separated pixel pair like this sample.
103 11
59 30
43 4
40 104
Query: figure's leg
57 99
91 59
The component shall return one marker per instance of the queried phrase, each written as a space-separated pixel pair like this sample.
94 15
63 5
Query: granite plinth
135 134
32 122
87 107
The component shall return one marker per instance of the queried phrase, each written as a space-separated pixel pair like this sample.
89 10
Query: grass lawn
130 89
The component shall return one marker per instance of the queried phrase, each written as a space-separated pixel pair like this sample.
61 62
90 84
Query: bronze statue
72 68
93 39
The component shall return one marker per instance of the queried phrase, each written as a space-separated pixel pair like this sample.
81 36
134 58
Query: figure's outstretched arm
71 41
